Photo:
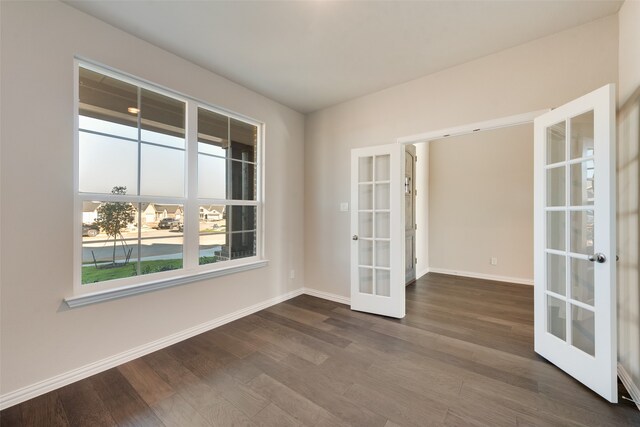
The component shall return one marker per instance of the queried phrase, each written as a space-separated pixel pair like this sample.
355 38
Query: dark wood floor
463 355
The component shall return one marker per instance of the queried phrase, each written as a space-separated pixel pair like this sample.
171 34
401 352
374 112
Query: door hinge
416 261
415 226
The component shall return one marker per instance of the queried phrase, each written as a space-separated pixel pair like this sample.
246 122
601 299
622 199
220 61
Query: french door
377 229
574 229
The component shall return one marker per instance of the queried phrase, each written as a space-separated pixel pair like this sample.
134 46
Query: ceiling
312 54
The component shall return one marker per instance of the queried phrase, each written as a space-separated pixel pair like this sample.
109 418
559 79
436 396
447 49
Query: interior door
377 245
574 254
409 213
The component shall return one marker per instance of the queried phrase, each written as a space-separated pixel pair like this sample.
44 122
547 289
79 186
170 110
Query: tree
113 217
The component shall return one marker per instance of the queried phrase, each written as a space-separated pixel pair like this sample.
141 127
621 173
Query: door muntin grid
569 237
374 225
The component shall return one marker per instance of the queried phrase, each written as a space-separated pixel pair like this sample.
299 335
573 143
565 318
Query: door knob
355 237
597 258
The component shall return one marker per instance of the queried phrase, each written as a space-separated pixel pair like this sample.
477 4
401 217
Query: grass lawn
91 274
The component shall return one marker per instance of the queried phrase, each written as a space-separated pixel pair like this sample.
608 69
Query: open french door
377 229
574 243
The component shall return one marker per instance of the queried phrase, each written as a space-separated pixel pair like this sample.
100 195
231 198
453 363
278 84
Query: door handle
355 237
597 258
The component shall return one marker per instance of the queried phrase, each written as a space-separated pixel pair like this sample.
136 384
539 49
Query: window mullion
192 218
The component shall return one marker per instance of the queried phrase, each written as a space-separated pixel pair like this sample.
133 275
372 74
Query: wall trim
627 381
41 387
421 273
508 279
328 296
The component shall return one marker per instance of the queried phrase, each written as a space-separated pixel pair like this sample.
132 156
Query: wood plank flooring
463 356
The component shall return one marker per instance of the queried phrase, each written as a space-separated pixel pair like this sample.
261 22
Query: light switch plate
344 207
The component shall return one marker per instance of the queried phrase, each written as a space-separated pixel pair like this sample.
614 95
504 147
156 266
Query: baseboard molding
421 273
37 389
627 381
517 280
327 296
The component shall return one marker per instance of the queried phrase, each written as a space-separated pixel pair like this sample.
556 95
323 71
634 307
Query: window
144 217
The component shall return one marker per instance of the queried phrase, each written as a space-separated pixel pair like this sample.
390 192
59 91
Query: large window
167 187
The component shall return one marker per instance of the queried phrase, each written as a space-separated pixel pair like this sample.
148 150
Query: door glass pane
556 277
365 169
383 254
582 135
383 166
382 196
582 279
365 224
365 196
382 225
582 329
365 252
555 230
582 183
581 232
556 143
555 186
556 317
383 282
366 280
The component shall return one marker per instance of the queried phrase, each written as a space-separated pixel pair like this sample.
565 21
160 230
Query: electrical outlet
494 261
344 207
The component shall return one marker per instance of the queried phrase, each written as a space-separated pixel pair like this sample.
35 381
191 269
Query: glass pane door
377 230
570 231
575 240
374 228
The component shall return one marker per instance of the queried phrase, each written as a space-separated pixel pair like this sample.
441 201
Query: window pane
241 218
161 220
106 163
109 101
556 317
161 171
213 132
212 177
108 241
243 245
242 177
162 119
160 254
244 139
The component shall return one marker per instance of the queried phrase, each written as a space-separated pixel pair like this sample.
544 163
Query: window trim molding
190 272
125 291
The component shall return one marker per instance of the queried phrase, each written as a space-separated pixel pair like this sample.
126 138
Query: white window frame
191 270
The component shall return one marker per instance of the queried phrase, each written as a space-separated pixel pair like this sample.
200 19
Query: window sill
95 297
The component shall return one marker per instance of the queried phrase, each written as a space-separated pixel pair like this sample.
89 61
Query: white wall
540 74
628 192
481 204
41 337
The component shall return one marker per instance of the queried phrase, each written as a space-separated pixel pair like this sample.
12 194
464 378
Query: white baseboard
517 280
39 388
632 388
421 273
327 296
